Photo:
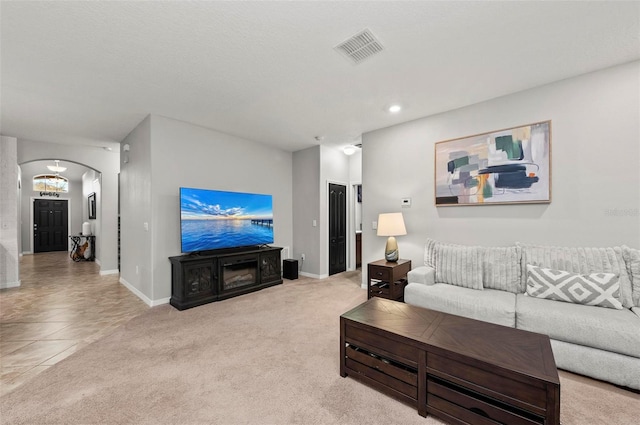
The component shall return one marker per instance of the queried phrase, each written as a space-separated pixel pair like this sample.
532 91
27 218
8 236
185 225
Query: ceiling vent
360 47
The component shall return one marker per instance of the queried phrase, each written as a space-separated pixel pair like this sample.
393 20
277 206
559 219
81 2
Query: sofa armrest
423 274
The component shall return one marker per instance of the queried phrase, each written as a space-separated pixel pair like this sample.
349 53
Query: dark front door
50 230
337 228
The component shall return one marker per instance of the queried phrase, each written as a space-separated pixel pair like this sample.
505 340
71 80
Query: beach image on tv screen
212 219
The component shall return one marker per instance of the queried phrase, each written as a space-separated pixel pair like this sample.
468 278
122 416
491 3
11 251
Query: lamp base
391 250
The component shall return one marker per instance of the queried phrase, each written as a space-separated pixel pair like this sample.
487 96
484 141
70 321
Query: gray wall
306 198
9 207
595 169
135 210
184 155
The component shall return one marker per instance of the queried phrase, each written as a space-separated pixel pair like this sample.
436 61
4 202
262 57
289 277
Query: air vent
360 47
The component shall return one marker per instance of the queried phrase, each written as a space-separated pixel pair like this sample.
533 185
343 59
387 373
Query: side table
387 280
84 248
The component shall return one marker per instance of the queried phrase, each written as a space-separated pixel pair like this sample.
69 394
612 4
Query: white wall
184 155
595 169
108 165
9 223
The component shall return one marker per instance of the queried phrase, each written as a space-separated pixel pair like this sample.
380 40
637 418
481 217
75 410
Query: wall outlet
302 256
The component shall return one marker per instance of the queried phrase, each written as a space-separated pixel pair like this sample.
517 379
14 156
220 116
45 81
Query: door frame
350 245
351 228
48 198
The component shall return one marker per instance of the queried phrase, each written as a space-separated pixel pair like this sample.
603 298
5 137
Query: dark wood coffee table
461 370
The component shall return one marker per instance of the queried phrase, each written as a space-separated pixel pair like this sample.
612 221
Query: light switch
314 223
146 226
374 225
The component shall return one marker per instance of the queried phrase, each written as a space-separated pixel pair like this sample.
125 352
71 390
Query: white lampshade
391 224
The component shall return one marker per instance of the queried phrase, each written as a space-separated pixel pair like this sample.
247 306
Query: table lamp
392 225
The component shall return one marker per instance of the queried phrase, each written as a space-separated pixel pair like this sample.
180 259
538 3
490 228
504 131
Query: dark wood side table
387 280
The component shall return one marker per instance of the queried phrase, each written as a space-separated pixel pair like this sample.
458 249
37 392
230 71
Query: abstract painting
501 167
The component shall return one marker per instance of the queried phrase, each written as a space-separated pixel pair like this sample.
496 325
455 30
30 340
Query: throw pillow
595 289
582 260
459 265
632 260
501 269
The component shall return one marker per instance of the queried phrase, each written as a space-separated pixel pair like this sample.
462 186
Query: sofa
587 300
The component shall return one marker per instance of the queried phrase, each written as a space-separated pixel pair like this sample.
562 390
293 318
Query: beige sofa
498 285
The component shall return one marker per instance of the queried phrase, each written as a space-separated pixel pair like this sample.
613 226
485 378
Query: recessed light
349 150
394 108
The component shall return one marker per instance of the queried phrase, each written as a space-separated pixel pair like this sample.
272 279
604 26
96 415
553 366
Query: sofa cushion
459 265
501 268
489 305
430 253
632 260
596 289
579 260
608 329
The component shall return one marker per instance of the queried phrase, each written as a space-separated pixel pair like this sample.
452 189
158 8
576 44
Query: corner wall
166 154
9 223
595 169
306 197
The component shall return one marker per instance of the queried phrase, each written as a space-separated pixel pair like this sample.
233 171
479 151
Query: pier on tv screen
215 219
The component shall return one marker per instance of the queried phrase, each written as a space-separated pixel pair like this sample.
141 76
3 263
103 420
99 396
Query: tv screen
213 219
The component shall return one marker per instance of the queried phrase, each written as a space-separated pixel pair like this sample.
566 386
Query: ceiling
89 72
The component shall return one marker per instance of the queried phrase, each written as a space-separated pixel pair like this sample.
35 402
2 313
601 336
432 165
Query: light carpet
270 357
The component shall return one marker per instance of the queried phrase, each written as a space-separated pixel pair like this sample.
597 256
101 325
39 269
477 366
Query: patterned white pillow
596 289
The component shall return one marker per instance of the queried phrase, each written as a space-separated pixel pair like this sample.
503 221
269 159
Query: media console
198 279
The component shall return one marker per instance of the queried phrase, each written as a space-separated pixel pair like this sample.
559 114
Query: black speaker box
290 269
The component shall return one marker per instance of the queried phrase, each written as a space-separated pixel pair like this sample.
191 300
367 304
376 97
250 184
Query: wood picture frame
92 205
508 166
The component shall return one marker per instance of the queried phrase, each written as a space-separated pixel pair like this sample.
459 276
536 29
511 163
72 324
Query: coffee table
461 370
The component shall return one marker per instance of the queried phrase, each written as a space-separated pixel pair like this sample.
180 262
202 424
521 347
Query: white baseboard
137 292
8 285
98 262
314 276
106 272
160 301
27 252
143 297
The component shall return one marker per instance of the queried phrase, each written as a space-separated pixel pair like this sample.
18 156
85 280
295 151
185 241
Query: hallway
60 307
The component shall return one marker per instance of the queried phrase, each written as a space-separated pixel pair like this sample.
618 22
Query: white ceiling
89 72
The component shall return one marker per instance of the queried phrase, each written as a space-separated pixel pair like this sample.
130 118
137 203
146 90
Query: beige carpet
270 357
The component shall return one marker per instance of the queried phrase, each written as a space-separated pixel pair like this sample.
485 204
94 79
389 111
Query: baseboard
137 292
143 297
27 252
8 285
106 272
314 276
98 262
160 301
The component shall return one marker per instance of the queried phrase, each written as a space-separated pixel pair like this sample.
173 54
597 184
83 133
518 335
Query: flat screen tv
214 219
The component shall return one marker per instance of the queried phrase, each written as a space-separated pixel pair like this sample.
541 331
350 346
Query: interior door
337 228
50 225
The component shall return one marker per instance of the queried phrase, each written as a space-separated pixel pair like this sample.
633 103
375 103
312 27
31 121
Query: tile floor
60 307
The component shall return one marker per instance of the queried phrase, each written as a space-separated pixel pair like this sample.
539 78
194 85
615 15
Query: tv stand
213 276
